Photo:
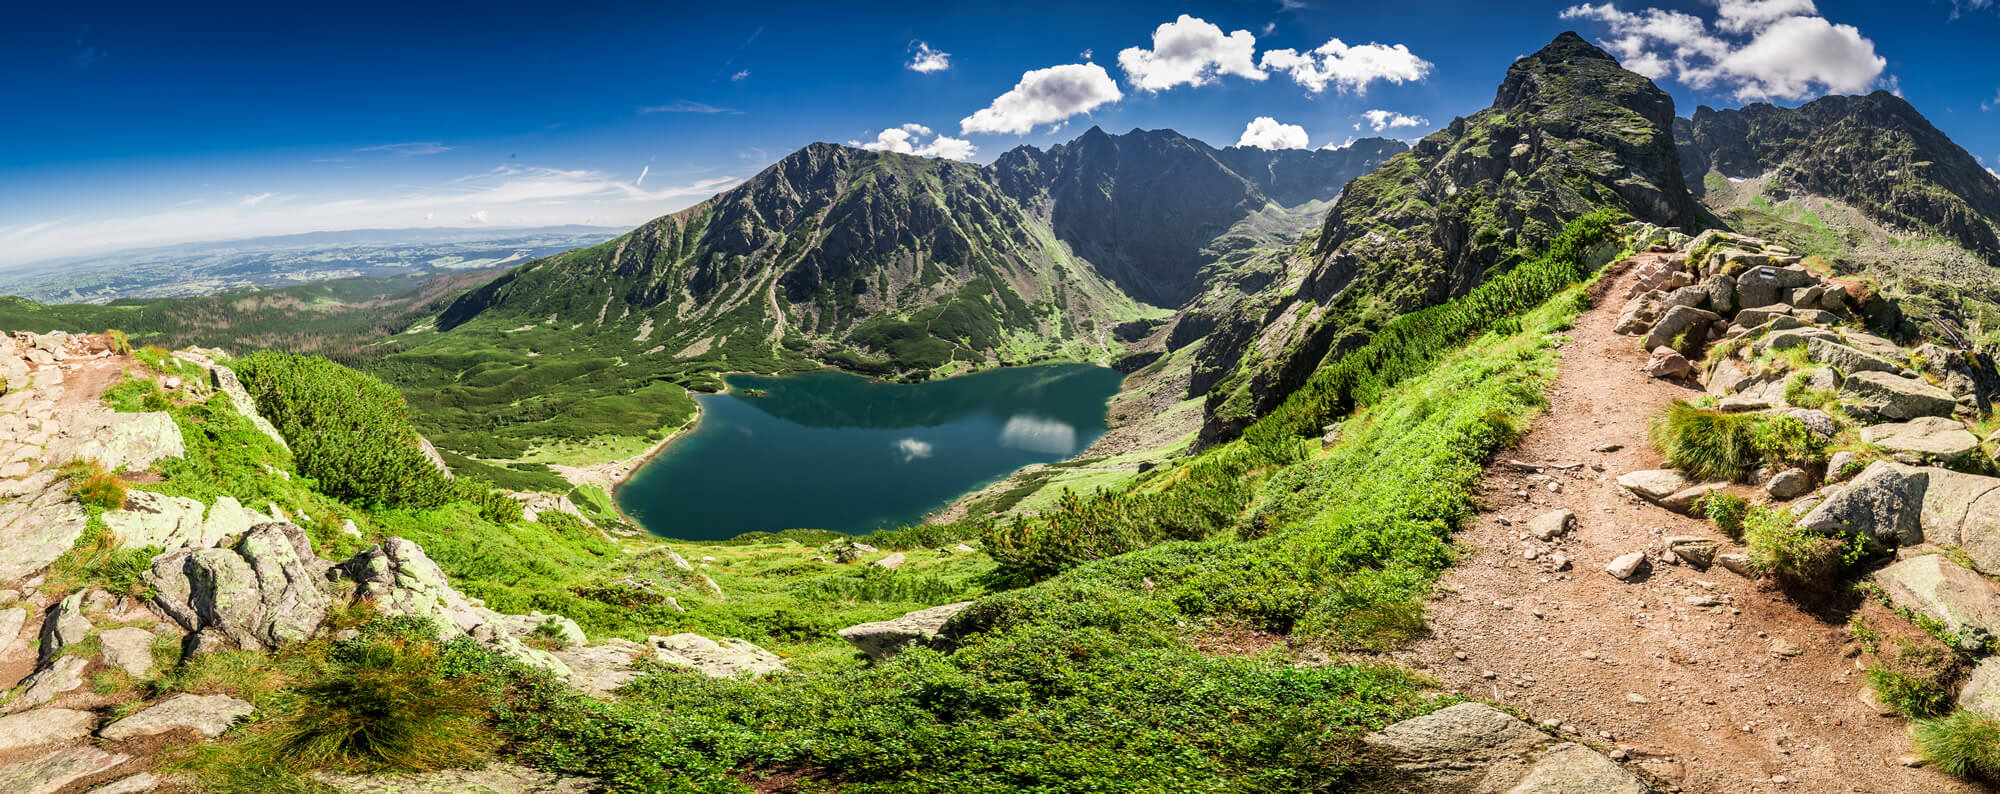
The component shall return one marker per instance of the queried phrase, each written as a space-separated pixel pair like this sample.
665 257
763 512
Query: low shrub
1964 743
1709 444
1800 560
93 486
1916 679
1727 511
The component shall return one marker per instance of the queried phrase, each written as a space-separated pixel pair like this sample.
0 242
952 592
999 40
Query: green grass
1963 743
1709 444
1800 560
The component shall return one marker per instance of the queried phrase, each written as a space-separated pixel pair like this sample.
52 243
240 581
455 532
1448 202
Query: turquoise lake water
828 450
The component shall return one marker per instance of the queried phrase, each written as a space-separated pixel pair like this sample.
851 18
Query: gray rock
1816 316
603 668
1667 363
37 525
1787 338
1686 296
1473 747
262 594
1805 296
1549 526
63 675
729 658
63 625
225 381
1979 533
207 715
1819 422
1932 437
894 560
11 621
400 579
1788 484
494 778
55 770
882 639
1675 321
1848 359
1838 467
129 649
1759 316
44 726
1981 692
1930 584
1696 551
1949 498
1896 397
1884 504
1653 484
172 522
1874 345
131 784
1721 290
121 442
1627 565
1738 564
1686 500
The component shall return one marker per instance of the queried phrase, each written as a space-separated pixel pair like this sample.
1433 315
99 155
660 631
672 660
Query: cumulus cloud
1265 132
1758 50
1348 68
1379 120
926 60
1045 96
905 140
909 449
1190 51
478 217
739 76
252 201
1039 434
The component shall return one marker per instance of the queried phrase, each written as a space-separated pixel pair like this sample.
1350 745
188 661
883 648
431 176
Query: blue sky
142 124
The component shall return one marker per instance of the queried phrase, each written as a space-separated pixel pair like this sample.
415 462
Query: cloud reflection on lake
1036 434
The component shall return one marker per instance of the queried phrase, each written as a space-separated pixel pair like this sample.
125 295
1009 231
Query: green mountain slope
1569 131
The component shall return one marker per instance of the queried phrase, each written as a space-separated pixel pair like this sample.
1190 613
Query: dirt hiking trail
1703 679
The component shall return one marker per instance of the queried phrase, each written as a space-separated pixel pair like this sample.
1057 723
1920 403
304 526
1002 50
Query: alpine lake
829 450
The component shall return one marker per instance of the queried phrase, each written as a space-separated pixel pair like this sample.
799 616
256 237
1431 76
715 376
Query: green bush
1964 743
1916 680
1707 445
348 431
1727 511
387 705
1800 560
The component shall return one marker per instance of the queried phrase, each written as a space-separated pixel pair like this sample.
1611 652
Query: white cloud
641 181
252 201
1996 174
1760 50
738 77
1190 51
412 149
1265 132
1379 120
478 217
1045 96
926 60
508 196
686 106
910 449
1039 434
1348 68
1334 147
904 140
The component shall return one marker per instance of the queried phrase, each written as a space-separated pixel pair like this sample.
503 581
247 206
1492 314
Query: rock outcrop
729 658
882 639
207 715
1475 748
400 579
1967 604
267 591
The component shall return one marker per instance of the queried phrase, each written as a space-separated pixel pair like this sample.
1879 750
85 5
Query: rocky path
1701 678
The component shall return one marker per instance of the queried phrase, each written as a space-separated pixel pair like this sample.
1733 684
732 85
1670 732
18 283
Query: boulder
1848 359
400 579
44 726
37 524
1751 318
1676 321
129 649
172 522
1685 296
1667 362
207 715
1979 533
1842 465
1787 338
1816 316
1981 692
130 784
1696 551
603 668
1686 500
63 675
1549 526
1721 290
894 560
57 769
1738 564
1473 747
11 621
729 658
1819 422
1895 397
1653 485
1932 585
119 441
1932 437
63 625
882 639
1788 484
264 593
1884 505
1874 345
1949 497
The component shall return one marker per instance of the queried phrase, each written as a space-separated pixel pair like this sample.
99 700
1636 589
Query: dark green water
828 450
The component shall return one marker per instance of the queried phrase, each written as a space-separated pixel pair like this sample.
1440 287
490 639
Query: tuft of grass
1965 743
1708 445
1916 679
1727 511
93 486
1802 561
385 705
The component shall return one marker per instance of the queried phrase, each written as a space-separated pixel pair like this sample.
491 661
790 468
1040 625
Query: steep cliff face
1873 152
1569 131
1142 206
